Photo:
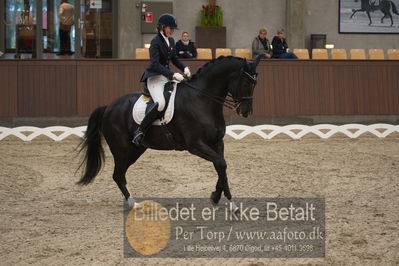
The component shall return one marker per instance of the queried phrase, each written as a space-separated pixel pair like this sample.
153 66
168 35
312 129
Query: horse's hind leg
354 12
122 163
386 14
382 19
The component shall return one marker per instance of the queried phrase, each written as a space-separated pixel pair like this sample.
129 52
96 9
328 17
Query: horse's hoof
131 202
234 208
214 198
237 212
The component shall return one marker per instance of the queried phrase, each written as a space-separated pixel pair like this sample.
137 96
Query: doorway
91 35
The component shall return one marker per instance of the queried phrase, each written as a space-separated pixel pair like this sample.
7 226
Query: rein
226 102
229 100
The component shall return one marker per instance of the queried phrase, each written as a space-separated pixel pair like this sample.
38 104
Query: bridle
232 101
251 79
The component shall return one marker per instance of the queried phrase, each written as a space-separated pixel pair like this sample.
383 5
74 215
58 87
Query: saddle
144 102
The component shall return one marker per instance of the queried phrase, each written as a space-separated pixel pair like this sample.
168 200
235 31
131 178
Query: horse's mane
211 63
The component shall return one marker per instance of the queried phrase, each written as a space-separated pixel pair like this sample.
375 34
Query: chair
243 53
393 54
142 53
358 54
338 54
302 53
319 54
376 54
222 51
204 53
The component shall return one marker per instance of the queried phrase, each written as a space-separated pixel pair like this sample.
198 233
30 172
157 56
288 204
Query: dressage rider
157 74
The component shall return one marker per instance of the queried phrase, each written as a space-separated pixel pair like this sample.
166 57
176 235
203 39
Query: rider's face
169 31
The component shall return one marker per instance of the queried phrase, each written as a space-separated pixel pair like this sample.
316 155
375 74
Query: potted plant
210 33
211 15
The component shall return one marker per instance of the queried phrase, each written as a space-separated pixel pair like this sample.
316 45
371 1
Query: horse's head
242 87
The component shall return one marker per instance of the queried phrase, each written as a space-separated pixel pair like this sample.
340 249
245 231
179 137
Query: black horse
198 124
385 7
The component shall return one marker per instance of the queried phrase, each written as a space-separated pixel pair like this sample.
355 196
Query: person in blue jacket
280 47
158 73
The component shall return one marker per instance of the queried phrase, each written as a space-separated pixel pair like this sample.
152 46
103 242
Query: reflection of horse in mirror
198 125
384 5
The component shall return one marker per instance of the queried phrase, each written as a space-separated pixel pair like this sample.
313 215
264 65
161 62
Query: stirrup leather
145 124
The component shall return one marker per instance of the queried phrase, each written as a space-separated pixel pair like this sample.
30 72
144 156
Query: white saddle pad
141 104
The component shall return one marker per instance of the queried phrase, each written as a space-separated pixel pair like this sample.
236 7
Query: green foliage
211 16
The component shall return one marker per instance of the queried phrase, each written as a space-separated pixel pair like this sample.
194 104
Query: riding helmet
168 20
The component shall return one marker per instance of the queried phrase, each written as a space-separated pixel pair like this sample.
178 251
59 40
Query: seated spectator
261 45
280 47
186 48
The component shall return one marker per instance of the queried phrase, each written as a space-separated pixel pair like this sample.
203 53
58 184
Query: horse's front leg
222 180
368 14
214 155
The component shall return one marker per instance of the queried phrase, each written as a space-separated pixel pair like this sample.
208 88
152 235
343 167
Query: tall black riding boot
139 134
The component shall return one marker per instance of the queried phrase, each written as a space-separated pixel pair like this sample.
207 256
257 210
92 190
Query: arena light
329 46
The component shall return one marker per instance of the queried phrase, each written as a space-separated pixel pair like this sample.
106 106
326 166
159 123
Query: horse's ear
246 64
253 64
257 60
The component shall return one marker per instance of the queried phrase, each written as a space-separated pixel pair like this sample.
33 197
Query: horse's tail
94 152
394 9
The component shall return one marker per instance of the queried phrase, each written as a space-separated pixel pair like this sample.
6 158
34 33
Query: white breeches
155 85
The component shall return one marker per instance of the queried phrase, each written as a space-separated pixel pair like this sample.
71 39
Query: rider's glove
178 77
187 72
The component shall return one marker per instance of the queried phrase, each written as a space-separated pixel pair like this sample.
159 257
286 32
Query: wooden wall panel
46 88
100 82
394 85
8 89
285 87
306 87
